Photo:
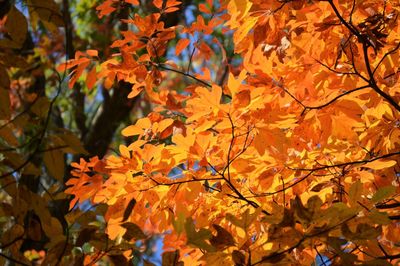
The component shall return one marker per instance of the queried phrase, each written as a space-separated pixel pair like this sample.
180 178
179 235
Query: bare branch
184 74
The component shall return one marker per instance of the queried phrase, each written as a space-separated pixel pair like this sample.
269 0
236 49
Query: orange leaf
182 44
132 2
158 3
136 89
105 8
91 78
92 52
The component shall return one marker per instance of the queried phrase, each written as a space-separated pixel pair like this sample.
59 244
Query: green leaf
179 223
132 231
246 220
87 248
378 217
198 238
363 232
383 193
335 214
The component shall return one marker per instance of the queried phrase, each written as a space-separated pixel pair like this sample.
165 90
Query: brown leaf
223 239
5 104
132 231
85 235
238 257
171 258
17 27
129 209
34 230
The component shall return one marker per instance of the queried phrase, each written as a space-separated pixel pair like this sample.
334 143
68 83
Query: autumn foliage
273 136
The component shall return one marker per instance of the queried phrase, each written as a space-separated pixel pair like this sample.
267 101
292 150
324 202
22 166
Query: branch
184 74
334 70
44 130
313 170
336 98
304 238
325 167
12 242
366 42
177 182
227 169
305 107
386 55
387 205
348 25
257 195
280 85
228 161
372 81
26 110
14 260
390 257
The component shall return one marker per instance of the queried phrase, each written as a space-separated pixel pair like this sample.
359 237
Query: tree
270 136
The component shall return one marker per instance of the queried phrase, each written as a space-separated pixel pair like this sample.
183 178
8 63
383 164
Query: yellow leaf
124 151
234 84
244 28
239 8
379 164
163 124
137 129
217 259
